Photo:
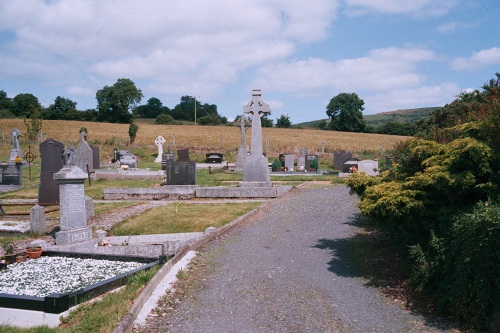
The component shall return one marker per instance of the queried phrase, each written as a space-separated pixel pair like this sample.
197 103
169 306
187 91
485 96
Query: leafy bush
165 119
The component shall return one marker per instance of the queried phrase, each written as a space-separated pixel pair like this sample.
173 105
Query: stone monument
83 156
159 141
244 124
15 151
73 216
51 152
256 169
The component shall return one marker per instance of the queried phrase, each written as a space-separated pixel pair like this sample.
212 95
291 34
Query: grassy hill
379 119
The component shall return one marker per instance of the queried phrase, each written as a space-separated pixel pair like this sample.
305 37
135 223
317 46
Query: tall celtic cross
256 108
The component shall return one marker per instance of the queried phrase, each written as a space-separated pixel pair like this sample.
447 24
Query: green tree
345 112
283 122
5 102
265 121
185 110
24 105
152 109
165 119
115 103
132 132
59 109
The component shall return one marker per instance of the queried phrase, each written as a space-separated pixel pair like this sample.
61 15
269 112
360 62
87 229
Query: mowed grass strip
182 217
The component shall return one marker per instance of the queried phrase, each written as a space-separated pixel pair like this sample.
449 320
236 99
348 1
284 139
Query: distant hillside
375 120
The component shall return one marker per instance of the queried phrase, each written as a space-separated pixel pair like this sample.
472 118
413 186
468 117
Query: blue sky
393 54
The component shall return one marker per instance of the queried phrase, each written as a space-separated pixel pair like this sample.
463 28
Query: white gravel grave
47 275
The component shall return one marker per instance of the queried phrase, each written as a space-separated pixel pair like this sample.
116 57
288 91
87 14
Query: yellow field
200 139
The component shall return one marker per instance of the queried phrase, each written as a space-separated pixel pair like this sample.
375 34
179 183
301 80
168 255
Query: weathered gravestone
83 156
256 169
38 224
51 152
159 141
289 161
15 151
339 157
73 215
244 124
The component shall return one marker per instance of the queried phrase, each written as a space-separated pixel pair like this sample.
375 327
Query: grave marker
159 141
83 155
256 169
73 215
51 152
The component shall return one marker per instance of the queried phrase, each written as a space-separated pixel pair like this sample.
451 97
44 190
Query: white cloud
381 69
450 27
424 96
413 7
191 45
479 59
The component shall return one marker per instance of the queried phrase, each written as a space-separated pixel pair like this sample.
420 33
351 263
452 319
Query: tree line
120 103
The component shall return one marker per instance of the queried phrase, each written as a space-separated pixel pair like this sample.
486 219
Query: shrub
276 165
165 119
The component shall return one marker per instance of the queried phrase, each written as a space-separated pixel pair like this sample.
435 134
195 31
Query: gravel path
284 272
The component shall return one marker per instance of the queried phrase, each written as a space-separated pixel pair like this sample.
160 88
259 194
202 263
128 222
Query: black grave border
57 303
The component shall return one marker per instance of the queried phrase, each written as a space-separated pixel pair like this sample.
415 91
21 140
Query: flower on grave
124 167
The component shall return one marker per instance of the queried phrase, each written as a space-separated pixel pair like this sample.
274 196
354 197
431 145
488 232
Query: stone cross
15 138
257 108
256 170
83 136
159 141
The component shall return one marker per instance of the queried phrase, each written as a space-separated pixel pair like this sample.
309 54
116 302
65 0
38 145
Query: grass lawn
182 217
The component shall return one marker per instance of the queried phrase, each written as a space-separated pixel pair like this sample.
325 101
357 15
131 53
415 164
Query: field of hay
198 139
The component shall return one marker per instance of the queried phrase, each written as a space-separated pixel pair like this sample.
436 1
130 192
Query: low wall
169 192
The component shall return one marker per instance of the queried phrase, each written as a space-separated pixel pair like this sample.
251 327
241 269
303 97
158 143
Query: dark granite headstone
51 152
183 155
340 157
213 158
116 156
12 174
180 173
96 156
309 160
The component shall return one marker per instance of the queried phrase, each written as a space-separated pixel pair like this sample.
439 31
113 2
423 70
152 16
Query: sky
393 54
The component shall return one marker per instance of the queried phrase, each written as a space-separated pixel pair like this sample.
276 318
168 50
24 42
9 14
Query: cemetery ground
102 316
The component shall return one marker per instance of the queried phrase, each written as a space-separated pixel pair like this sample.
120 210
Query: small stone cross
159 141
83 136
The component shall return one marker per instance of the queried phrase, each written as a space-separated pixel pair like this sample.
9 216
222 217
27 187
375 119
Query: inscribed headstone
73 216
51 152
180 173
309 160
